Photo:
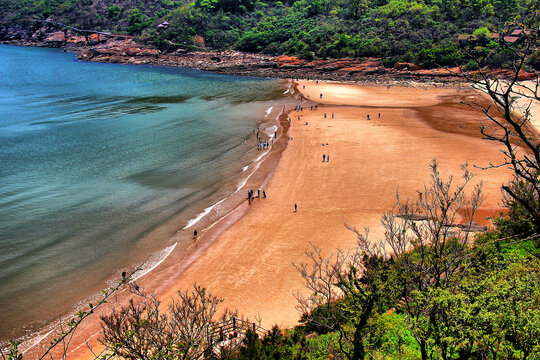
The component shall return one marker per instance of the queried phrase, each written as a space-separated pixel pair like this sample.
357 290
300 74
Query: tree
189 328
428 238
346 289
509 119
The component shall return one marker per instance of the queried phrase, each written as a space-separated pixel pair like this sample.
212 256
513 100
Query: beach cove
247 256
250 265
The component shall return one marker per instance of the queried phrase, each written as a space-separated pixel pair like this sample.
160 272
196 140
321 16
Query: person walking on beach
258 193
320 97
379 115
332 115
323 157
325 115
195 234
264 194
328 158
249 195
295 207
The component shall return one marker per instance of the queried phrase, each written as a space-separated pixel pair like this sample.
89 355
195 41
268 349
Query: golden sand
250 266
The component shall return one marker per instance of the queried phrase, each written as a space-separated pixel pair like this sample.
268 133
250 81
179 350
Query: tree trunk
423 350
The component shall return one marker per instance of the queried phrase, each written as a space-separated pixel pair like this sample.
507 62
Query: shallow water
93 157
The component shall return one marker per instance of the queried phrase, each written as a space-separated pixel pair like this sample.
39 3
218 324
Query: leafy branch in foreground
67 330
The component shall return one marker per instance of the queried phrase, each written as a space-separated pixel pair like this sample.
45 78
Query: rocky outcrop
122 49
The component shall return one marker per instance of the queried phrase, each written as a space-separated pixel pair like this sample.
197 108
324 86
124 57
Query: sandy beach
247 257
250 266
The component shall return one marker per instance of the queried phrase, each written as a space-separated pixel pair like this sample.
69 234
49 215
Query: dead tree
190 327
428 249
509 116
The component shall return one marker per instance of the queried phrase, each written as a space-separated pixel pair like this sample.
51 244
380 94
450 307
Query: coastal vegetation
423 32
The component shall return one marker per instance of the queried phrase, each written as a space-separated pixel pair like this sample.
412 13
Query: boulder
406 66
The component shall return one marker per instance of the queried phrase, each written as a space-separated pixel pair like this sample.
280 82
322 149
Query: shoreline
231 62
232 207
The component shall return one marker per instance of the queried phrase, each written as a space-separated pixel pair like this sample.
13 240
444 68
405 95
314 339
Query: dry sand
250 266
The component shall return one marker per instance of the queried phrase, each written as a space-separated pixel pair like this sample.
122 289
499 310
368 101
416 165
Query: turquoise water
94 156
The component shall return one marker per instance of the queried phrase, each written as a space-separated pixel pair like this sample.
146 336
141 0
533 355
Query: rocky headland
101 47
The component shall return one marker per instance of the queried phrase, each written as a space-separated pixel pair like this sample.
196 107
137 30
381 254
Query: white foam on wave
38 340
255 167
154 261
270 131
201 215
261 156
245 168
268 111
286 91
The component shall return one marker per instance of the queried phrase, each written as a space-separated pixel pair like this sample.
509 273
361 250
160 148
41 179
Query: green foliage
446 54
534 60
114 12
137 21
421 31
482 33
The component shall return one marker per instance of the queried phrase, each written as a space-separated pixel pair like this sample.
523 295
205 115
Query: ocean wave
206 211
268 111
154 261
37 340
270 131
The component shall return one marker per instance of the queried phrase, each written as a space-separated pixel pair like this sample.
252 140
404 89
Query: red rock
290 61
55 38
406 66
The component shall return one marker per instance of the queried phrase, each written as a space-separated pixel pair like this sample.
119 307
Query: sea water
94 156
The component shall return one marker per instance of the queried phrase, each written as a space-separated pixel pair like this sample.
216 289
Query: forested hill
424 32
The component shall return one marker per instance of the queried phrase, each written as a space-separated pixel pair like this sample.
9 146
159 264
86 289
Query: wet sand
250 266
246 258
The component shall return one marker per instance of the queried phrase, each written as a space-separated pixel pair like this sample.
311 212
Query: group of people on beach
368 116
251 196
263 144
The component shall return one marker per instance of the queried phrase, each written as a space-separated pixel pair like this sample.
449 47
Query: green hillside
423 31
